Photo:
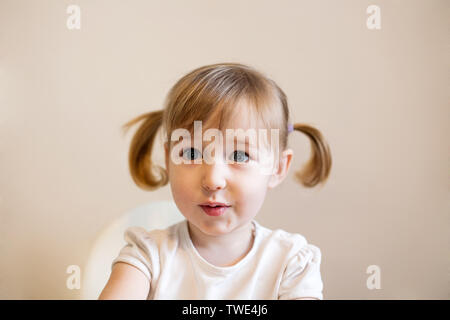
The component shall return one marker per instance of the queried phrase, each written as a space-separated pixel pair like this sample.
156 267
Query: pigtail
139 157
317 169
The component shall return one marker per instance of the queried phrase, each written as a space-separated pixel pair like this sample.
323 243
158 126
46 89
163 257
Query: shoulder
293 247
144 249
301 260
151 239
285 240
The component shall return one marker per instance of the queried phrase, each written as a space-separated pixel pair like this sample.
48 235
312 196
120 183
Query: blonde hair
217 88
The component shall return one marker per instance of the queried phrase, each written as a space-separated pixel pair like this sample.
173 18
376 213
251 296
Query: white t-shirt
280 265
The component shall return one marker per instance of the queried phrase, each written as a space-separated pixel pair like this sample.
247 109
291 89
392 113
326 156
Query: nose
214 176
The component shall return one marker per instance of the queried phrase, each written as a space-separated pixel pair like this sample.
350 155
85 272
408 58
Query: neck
226 249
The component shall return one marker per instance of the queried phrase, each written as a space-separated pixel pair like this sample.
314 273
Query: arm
126 283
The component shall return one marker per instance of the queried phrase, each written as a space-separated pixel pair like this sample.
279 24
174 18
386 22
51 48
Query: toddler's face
239 184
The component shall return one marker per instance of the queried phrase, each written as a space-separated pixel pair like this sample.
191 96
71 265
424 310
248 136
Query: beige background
379 96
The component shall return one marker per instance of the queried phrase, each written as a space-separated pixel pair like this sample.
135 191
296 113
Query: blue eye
240 156
190 153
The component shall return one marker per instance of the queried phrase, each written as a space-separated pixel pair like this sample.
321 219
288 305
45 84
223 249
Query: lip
214 204
214 211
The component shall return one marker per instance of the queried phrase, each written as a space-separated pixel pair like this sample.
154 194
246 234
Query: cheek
178 179
252 192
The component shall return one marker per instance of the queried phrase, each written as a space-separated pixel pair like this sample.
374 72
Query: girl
219 251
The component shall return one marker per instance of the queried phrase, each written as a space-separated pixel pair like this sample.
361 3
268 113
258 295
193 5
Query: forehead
241 124
243 116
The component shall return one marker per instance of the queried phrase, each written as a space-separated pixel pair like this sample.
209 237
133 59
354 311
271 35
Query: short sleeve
302 278
137 250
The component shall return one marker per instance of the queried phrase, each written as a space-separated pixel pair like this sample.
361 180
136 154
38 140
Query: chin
216 228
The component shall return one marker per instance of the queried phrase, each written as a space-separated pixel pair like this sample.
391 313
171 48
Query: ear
282 170
166 157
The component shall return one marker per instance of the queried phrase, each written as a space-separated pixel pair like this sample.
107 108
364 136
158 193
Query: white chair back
106 247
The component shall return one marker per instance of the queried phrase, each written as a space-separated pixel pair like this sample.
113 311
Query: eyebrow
246 143
235 140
